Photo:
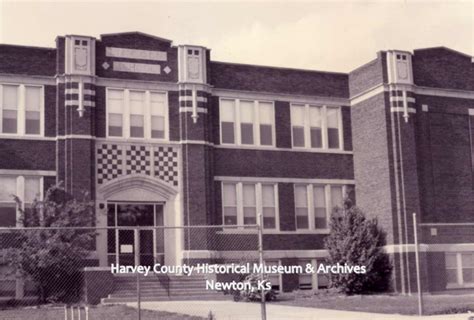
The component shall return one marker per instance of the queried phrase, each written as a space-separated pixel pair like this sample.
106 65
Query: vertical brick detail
346 128
283 124
286 202
173 115
215 119
100 112
50 111
290 282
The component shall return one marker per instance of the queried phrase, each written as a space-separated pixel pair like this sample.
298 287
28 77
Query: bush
53 258
355 240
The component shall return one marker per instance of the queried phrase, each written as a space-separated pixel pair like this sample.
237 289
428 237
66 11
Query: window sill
135 140
459 286
273 148
25 137
254 231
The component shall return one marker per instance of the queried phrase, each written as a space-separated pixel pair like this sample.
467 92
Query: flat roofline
30 47
445 48
278 68
134 32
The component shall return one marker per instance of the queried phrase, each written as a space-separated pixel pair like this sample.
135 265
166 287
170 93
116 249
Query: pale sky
331 36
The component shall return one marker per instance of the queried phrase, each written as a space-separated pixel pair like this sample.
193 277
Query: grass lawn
393 304
96 313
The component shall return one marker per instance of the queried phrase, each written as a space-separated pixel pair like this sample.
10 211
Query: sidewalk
230 310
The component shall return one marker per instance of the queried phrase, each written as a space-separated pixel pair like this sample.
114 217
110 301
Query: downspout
397 196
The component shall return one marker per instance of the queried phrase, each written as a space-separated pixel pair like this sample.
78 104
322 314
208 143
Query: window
137 114
274 278
301 207
249 204
460 269
229 194
247 122
242 202
158 115
227 115
316 127
314 205
21 109
25 188
115 112
305 279
269 206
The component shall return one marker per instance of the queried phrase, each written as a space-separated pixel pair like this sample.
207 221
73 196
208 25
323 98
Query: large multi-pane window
460 269
247 122
316 127
21 109
314 204
26 188
137 114
243 201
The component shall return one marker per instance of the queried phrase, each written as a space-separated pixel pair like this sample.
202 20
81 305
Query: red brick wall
27 60
372 154
285 164
367 76
27 154
443 68
446 160
141 42
268 79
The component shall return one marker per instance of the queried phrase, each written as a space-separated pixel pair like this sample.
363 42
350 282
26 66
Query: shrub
53 258
355 240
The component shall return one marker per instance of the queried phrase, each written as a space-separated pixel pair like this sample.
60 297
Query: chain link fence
130 272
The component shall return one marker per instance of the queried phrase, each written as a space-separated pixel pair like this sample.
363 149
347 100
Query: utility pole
417 259
261 261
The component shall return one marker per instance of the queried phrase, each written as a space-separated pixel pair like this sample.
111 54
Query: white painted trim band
401 109
27 172
22 79
190 109
287 180
190 98
398 98
76 91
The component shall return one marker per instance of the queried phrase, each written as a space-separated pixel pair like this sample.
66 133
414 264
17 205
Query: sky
319 35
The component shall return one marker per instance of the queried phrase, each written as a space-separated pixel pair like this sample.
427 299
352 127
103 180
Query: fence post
262 264
137 254
417 260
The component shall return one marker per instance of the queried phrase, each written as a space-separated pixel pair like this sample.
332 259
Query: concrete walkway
230 310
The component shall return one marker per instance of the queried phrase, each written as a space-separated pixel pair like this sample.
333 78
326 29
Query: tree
53 253
357 241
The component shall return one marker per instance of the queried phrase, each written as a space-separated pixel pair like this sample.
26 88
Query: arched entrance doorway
133 201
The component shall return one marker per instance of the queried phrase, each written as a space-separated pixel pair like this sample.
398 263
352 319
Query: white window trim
240 207
256 124
146 116
21 191
459 267
324 127
21 115
280 278
310 203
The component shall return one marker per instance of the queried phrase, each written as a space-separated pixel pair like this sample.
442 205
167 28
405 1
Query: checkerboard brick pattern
109 162
166 164
137 160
